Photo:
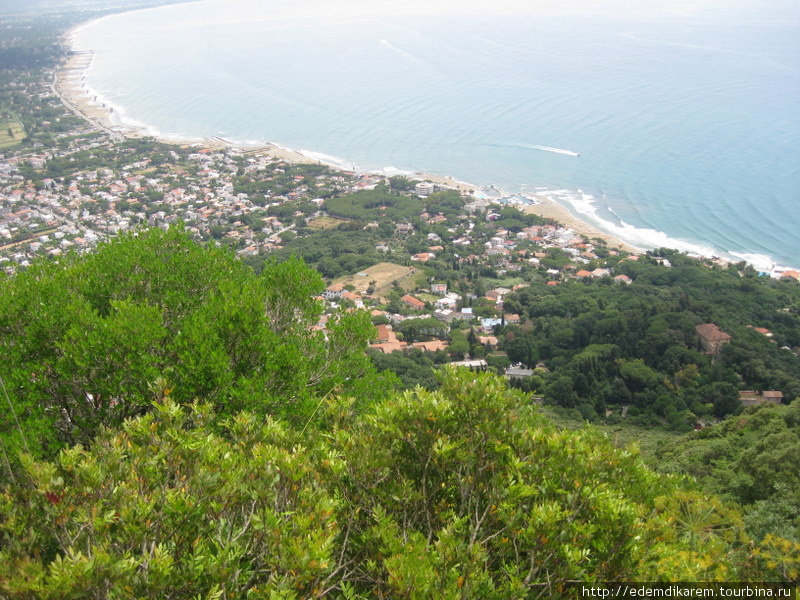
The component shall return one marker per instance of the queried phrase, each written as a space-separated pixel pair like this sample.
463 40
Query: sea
669 126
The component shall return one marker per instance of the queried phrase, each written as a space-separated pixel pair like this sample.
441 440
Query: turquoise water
686 126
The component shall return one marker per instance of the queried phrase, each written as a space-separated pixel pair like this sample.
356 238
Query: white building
424 188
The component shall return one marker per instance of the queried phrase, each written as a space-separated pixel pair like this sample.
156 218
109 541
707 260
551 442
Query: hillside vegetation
86 339
466 492
610 345
178 428
750 459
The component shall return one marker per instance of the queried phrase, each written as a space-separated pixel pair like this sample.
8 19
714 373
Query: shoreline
550 209
70 86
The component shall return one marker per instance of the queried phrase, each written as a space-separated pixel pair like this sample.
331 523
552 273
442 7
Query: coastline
70 86
583 215
550 209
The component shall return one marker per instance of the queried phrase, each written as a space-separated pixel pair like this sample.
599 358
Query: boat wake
550 149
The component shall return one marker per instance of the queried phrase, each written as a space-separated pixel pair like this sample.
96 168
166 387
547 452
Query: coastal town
77 183
91 185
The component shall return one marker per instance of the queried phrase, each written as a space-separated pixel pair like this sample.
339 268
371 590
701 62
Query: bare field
11 134
321 223
384 274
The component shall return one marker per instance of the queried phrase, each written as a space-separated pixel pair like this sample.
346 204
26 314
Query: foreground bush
466 492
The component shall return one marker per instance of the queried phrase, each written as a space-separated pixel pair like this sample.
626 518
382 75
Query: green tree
521 349
459 346
637 375
85 337
724 396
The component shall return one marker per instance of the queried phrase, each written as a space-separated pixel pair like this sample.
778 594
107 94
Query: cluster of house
88 206
196 186
510 251
387 342
445 309
753 398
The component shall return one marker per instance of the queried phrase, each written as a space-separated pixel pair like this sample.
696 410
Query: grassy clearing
621 435
428 297
11 134
508 282
384 274
412 282
321 223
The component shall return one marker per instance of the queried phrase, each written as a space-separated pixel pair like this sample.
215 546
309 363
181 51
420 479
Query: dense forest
609 345
375 204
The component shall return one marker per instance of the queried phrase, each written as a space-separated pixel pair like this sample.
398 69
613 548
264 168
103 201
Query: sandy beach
545 207
550 209
70 86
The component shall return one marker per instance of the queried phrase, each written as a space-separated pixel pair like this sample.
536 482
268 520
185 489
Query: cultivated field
11 134
382 273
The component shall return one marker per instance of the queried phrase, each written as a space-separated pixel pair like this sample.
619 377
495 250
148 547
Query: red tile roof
413 302
711 333
431 346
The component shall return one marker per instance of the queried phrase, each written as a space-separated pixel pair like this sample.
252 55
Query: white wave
332 161
646 238
761 261
550 149
393 171
764 263
117 118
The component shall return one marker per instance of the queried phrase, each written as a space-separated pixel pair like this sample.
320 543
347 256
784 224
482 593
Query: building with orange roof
431 346
386 334
488 340
762 330
389 347
413 303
